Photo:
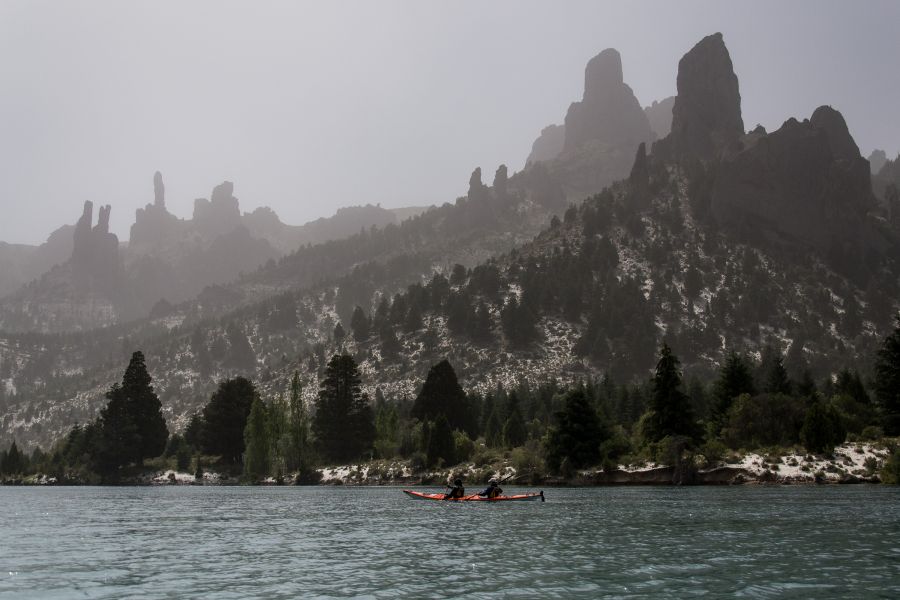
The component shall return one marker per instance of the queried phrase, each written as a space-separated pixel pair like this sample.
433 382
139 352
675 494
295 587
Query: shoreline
851 463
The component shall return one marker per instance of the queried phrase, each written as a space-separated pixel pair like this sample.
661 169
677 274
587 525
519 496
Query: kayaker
492 491
457 491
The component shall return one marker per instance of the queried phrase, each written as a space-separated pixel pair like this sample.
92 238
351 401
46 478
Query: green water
665 542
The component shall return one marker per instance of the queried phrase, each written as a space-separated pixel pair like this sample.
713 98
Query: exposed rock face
501 179
877 160
153 224
659 115
706 116
609 112
806 181
220 214
548 145
159 190
95 251
888 175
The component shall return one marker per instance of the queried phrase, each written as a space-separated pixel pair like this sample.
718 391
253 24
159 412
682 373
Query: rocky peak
608 112
806 181
220 214
548 145
839 139
706 115
159 190
153 223
659 115
501 179
95 251
877 160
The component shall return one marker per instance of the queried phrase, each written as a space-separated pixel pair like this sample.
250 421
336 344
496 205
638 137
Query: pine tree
735 379
441 447
887 381
670 408
132 427
256 442
773 374
339 334
823 428
442 395
225 417
240 354
514 432
343 423
577 434
360 325
12 462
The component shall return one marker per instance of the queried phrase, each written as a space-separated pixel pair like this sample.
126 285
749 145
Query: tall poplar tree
887 381
256 442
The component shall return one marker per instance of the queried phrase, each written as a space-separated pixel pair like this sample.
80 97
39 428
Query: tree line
545 429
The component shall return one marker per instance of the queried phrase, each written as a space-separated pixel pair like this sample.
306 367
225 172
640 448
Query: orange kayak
475 497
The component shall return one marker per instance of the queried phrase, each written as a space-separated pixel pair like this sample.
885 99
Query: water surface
290 542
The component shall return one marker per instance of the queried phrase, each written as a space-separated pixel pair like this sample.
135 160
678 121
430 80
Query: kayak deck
475 497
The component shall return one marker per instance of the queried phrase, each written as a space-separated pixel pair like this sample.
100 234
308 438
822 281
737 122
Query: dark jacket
492 491
457 491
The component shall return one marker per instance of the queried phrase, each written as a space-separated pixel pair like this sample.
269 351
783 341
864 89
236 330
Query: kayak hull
531 496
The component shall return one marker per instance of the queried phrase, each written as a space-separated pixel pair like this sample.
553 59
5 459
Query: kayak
475 497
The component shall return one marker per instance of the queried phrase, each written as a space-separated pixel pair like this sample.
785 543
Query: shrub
823 428
417 462
871 433
890 471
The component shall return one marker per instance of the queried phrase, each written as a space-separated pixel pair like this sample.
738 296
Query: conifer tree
577 434
343 424
442 395
225 417
360 325
240 354
823 428
256 442
132 427
887 381
441 447
339 334
774 375
670 408
514 432
734 379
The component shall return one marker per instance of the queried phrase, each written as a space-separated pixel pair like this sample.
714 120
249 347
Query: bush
890 471
464 445
714 451
871 433
823 428
417 462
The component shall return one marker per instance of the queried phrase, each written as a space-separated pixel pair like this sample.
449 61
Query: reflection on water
228 542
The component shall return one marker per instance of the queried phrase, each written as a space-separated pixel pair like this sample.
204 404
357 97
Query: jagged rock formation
806 181
220 214
600 135
609 112
548 145
153 224
659 115
877 160
888 175
706 115
95 253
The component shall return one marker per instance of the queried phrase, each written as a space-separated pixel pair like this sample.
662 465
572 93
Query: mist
311 106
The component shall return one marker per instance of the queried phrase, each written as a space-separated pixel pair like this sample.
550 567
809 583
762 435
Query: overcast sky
310 106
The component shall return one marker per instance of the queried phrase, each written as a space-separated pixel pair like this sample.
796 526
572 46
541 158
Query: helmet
493 483
457 482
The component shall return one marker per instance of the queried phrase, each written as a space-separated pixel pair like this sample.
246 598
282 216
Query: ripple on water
176 542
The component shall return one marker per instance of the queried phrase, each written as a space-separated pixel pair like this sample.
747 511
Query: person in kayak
457 491
492 491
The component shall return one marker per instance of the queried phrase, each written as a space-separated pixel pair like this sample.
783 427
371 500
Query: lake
290 542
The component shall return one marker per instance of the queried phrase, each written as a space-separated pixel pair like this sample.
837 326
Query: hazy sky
310 106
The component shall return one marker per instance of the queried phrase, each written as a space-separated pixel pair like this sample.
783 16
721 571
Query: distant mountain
98 282
714 239
20 263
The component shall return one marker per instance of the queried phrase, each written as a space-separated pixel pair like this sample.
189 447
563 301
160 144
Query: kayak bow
475 497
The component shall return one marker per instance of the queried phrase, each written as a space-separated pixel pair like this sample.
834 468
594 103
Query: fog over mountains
624 229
